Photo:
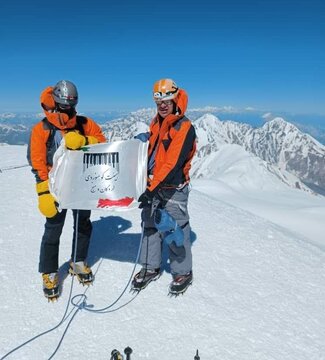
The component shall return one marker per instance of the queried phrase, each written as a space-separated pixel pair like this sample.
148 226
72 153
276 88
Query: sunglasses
165 102
65 106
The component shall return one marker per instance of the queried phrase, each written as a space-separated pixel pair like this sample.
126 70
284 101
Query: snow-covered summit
241 170
277 142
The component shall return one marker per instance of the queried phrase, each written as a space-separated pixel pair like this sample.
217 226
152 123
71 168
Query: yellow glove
46 202
74 140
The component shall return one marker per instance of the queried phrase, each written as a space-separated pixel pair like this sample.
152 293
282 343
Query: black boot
144 277
180 283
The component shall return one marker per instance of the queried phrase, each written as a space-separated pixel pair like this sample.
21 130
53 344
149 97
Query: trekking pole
128 352
197 357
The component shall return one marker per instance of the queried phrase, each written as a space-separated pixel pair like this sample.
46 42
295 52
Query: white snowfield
258 290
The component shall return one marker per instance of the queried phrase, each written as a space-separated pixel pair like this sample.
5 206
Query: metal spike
197 357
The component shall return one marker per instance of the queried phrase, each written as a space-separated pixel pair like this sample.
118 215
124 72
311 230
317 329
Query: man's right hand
146 198
46 202
74 140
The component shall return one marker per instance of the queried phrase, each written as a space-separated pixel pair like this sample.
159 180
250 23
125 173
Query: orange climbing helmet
165 89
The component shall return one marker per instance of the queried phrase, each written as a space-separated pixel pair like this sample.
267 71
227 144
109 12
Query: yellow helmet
165 89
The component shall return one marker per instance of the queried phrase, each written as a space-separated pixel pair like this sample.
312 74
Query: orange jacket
172 142
40 153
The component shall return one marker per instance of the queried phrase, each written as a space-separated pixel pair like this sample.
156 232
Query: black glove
145 199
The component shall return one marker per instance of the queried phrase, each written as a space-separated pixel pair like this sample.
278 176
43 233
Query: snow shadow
109 241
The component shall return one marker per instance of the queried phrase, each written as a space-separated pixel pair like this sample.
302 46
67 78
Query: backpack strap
52 129
80 121
50 143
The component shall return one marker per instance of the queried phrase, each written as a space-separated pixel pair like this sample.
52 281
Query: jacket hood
59 120
181 102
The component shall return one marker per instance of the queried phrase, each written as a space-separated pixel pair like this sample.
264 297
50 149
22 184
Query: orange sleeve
93 129
38 152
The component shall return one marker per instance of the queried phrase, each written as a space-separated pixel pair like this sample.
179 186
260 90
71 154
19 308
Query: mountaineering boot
180 283
144 277
82 271
51 285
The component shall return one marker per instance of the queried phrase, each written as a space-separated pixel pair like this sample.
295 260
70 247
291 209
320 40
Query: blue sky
265 54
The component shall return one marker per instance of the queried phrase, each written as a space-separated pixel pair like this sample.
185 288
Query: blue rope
64 333
103 310
82 303
66 309
84 306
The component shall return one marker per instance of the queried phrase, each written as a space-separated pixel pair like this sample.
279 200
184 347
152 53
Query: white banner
102 176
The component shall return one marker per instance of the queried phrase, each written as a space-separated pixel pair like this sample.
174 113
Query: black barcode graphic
92 159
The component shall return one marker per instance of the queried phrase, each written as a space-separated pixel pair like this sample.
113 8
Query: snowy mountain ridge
277 142
281 145
234 166
294 157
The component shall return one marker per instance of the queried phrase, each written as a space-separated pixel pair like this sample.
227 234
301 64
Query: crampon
51 286
143 278
180 284
82 271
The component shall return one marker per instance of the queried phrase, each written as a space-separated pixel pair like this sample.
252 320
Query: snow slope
258 290
245 181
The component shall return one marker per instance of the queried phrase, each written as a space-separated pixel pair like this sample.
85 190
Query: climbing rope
82 303
65 312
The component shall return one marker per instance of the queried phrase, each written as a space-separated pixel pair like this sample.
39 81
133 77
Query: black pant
49 254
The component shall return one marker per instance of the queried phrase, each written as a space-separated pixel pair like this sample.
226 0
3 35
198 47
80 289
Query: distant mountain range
294 157
311 124
15 127
278 146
